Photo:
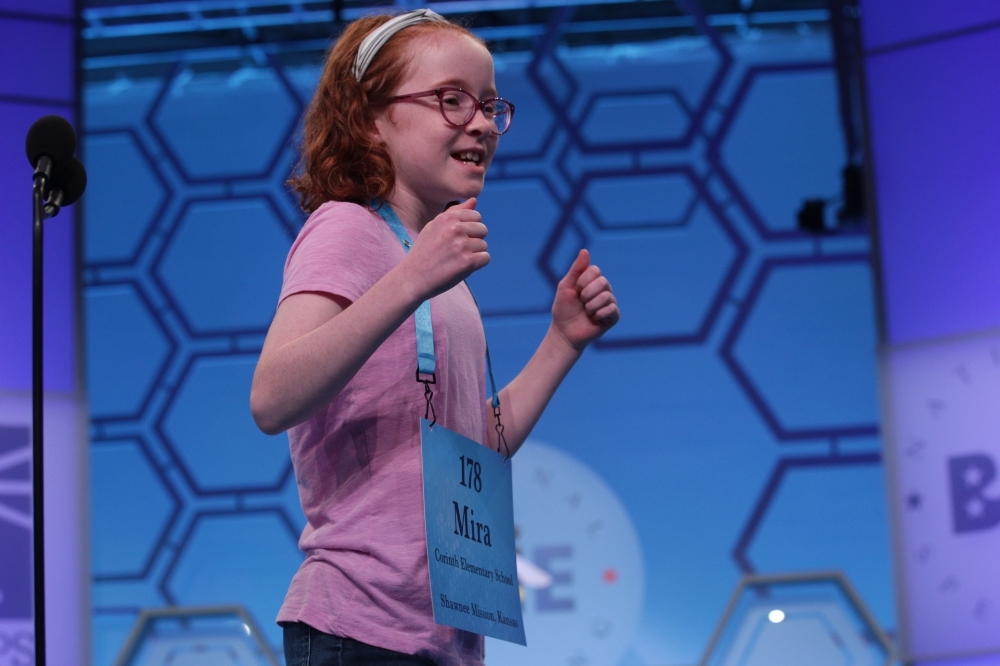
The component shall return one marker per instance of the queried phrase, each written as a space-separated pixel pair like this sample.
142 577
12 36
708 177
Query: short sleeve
340 251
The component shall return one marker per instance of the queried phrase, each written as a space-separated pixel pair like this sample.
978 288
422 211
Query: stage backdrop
728 425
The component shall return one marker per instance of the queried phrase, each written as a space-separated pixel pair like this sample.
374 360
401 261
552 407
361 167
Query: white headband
377 38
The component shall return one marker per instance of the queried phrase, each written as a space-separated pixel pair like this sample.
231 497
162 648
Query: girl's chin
469 190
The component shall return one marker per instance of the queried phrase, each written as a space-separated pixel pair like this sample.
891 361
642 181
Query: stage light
776 616
853 209
851 213
810 216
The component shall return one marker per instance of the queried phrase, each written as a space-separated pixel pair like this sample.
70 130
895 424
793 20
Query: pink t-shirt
357 462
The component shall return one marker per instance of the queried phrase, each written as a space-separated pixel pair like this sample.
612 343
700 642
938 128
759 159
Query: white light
776 616
531 575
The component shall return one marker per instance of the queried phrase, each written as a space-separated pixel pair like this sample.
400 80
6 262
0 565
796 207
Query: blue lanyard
426 361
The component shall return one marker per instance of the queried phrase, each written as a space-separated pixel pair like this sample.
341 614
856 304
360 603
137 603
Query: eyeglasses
459 107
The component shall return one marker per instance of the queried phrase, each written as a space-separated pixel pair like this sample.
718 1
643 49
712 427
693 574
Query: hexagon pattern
533 119
250 557
126 349
514 246
208 424
690 265
623 201
124 197
222 264
812 366
828 510
635 118
197 120
129 515
778 139
680 170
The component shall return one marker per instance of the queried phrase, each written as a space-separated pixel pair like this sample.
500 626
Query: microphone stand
41 211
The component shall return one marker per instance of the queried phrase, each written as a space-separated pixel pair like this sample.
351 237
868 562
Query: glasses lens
502 114
458 106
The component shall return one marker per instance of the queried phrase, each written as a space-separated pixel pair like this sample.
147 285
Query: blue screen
728 424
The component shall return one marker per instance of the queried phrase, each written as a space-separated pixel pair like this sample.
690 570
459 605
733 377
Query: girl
406 120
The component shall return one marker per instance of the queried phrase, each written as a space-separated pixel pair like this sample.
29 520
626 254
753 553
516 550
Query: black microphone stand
40 211
59 180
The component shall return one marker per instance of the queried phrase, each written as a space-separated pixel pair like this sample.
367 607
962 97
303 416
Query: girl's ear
377 120
380 118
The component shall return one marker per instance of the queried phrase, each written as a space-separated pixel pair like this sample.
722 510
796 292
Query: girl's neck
412 211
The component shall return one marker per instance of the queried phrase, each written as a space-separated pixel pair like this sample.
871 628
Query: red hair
342 157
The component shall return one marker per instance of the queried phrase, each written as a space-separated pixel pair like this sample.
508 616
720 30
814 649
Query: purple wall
933 96
41 81
893 23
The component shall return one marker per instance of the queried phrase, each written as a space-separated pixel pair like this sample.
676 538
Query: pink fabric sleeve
340 251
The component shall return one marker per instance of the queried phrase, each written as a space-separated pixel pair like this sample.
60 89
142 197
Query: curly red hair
342 158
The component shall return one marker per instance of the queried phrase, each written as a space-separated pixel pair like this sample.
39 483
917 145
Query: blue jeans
305 646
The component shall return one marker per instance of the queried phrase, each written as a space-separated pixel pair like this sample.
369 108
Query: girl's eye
490 108
451 99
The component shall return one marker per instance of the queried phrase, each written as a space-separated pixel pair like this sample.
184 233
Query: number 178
471 474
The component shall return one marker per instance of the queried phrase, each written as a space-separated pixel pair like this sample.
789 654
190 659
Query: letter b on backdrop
971 509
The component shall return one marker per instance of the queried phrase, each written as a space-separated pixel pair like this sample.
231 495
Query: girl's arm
583 310
317 342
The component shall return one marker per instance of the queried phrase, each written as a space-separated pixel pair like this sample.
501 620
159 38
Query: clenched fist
584 307
449 249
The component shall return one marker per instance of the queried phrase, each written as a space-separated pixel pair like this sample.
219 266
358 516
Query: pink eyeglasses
459 107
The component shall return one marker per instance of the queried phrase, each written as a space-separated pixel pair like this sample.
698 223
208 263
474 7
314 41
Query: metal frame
162 17
891 492
173 18
134 637
835 577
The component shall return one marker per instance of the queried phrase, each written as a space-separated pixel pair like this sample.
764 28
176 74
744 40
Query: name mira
468 527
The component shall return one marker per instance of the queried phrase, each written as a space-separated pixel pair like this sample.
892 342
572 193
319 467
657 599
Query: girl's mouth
468 157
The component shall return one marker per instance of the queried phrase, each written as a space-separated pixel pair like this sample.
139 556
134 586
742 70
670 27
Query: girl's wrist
407 285
561 345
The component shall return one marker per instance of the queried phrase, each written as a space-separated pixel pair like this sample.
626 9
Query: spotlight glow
776 616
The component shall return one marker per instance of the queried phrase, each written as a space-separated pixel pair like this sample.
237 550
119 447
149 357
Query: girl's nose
479 124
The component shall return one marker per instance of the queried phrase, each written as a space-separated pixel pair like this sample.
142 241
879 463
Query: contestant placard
469 516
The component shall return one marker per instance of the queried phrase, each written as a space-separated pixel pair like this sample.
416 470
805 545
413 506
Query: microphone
68 184
50 144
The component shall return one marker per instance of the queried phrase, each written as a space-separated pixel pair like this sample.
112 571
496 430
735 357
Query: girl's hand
449 249
584 307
